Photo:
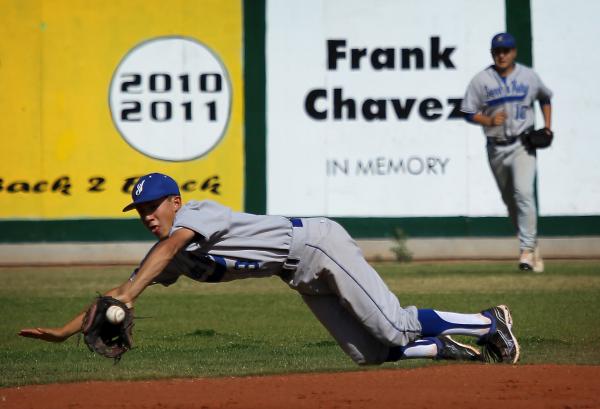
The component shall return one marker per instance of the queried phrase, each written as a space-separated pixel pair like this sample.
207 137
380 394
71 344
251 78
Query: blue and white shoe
499 345
450 349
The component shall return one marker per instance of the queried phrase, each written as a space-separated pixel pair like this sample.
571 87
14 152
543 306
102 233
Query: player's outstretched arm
45 334
63 333
54 334
127 292
156 262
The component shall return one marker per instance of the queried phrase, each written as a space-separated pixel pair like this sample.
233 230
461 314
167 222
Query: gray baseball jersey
489 94
314 256
228 245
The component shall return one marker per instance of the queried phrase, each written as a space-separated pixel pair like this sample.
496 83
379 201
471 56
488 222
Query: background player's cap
503 40
151 187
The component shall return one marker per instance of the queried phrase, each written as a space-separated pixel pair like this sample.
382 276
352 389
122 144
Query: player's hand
125 299
499 118
45 334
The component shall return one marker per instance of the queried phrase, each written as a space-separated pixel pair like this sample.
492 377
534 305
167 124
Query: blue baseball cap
151 187
503 40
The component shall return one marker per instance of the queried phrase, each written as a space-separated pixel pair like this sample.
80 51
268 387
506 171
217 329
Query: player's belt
502 142
296 222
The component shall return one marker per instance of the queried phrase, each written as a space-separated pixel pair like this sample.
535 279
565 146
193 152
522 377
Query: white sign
568 171
170 98
363 106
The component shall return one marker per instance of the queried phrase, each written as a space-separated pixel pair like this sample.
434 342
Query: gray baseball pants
514 169
346 294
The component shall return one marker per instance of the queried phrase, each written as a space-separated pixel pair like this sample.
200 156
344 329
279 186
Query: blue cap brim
129 207
132 205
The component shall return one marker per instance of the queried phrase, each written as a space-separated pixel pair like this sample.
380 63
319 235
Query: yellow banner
97 93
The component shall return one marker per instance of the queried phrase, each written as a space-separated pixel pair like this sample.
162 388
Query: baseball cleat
499 345
450 349
538 263
526 261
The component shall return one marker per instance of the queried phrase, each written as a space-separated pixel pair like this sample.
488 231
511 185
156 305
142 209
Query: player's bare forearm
547 113
484 120
481 119
154 264
126 292
59 334
72 327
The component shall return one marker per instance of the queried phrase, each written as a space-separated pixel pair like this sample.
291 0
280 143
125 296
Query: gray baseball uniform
317 258
513 166
314 256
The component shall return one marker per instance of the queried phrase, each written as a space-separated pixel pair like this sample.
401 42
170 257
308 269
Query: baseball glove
103 337
538 139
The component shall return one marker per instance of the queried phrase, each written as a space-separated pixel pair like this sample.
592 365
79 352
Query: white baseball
115 314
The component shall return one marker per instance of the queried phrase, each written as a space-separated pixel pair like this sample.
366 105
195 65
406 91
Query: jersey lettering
246 265
211 268
521 112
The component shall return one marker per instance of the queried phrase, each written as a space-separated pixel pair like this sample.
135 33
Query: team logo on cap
170 98
139 188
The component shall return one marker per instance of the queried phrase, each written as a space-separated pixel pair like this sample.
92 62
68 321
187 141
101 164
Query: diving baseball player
501 98
208 242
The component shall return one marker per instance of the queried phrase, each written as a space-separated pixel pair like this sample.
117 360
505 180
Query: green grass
262 327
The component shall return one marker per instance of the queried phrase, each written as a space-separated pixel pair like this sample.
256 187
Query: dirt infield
452 386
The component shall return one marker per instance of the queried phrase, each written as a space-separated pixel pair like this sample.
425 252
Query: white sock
422 348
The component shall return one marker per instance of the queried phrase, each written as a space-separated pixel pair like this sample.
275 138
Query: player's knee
368 362
366 358
524 196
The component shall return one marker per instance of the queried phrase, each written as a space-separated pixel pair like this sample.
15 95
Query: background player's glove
102 336
538 139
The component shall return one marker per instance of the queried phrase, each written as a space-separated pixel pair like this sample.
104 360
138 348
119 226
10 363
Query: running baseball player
208 242
501 99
